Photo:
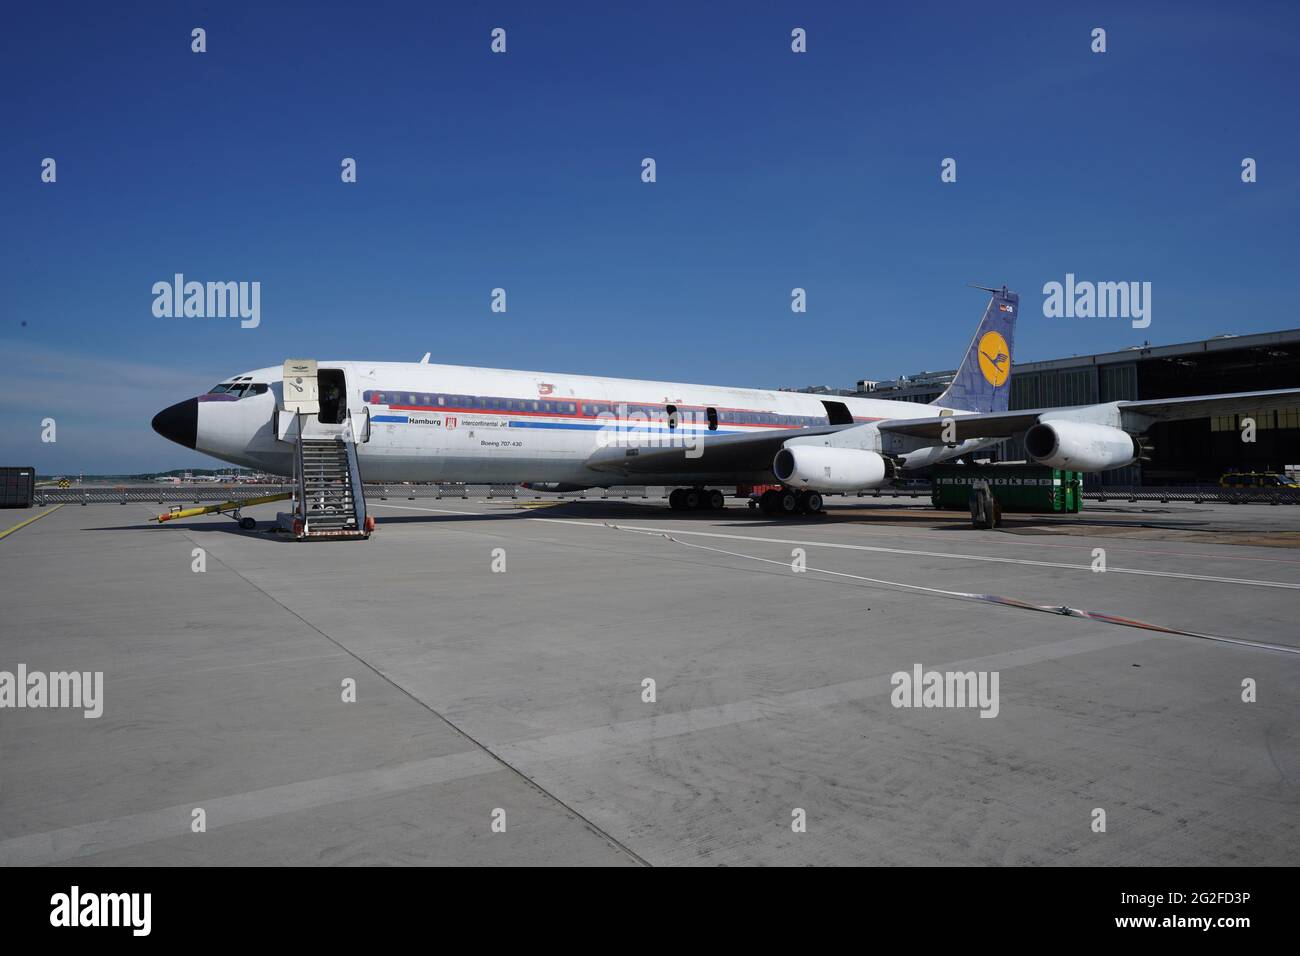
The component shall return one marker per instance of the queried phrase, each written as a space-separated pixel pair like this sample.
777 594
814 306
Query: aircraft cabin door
301 387
333 390
299 395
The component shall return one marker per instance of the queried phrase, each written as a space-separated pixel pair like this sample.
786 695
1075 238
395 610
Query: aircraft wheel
675 499
787 503
813 503
981 509
691 499
248 524
716 501
767 502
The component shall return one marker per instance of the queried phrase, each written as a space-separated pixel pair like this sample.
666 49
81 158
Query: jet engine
1081 446
821 468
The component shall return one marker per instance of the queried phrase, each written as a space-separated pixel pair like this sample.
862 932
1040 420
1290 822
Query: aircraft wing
1135 416
989 425
712 455
1203 406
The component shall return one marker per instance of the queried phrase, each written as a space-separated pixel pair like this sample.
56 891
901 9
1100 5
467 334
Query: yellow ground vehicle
231 508
1257 479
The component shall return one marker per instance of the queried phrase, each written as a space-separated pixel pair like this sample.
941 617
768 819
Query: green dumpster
1023 488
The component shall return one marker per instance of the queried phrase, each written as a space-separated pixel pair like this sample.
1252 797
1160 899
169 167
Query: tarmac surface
517 695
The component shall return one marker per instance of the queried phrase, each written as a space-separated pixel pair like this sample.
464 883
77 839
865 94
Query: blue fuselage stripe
581 426
612 426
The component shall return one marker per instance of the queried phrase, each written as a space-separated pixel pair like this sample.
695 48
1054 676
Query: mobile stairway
329 500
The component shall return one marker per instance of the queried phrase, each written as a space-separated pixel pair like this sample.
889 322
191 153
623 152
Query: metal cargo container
17 485
1016 487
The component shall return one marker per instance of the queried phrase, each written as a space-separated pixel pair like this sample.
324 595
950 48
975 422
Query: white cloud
102 407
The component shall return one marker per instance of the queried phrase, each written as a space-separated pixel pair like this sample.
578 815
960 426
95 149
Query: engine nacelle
1081 446
821 468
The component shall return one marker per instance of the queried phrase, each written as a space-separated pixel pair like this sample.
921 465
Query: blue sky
522 170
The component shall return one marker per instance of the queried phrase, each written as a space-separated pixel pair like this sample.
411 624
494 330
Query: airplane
421 422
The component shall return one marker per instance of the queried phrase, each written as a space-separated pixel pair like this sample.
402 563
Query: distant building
922 387
820 390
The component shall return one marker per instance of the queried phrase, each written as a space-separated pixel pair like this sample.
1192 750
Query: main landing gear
696 499
782 502
787 503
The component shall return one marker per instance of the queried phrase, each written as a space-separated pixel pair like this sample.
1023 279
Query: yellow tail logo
995 358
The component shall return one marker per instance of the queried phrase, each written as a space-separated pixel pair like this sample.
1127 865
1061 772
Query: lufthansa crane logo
995 358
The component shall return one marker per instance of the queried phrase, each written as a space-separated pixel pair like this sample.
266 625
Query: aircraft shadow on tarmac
905 516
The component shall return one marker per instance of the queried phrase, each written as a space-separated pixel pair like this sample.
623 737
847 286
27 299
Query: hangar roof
1220 343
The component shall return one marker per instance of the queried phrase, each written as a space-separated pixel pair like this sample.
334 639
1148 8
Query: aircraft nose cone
179 422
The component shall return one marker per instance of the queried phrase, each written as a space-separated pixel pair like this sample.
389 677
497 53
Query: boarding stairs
329 499
330 488
312 416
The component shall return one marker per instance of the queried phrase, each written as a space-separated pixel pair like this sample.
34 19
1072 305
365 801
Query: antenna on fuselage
425 360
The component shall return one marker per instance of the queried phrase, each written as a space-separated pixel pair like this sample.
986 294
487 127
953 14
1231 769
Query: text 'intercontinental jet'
421 422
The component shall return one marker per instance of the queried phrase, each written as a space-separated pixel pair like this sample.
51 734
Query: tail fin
983 381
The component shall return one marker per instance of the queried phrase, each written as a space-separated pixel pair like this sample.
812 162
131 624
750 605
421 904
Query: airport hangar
1196 451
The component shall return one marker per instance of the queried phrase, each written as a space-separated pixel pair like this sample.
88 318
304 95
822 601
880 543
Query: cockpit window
239 389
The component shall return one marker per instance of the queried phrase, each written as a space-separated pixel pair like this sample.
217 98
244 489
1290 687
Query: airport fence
160 494
1196 494
209 494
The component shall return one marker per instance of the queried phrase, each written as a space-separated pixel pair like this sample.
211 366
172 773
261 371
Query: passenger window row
585 409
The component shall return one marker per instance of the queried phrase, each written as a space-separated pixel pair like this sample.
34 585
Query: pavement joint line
36 517
969 557
53 846
1012 539
1062 610
378 672
1251 582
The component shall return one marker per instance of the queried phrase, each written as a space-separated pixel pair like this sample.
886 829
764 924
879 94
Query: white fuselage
422 422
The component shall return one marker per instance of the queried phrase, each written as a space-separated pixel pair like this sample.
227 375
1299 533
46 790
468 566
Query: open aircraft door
301 396
301 387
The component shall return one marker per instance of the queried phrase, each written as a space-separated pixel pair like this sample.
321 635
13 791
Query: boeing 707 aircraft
422 422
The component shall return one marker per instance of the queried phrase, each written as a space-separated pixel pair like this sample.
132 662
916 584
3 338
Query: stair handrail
357 489
299 473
